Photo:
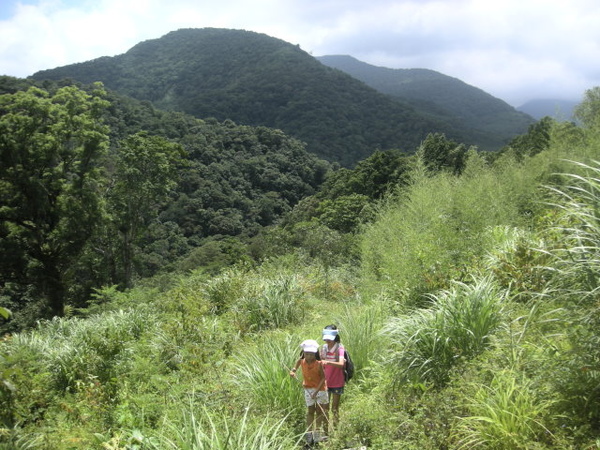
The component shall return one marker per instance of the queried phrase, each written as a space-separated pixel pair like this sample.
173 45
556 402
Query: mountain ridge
559 109
257 80
436 93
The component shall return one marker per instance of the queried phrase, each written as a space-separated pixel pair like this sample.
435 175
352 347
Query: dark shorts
338 391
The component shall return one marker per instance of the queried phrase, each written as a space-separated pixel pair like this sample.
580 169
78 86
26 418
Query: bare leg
322 418
335 408
310 418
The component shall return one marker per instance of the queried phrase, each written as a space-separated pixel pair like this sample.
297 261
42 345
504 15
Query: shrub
518 261
369 421
224 290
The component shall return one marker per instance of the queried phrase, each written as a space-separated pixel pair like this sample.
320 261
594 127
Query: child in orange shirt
315 390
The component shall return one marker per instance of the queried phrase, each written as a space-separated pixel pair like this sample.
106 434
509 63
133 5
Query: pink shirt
333 374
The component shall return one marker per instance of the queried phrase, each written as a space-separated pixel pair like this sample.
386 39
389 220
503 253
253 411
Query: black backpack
348 366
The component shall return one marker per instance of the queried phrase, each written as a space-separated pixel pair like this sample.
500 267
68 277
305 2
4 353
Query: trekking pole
289 370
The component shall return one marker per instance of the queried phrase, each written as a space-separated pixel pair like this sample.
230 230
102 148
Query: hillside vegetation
492 120
467 297
257 80
98 189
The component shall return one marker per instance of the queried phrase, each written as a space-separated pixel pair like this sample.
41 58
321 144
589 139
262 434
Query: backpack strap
340 347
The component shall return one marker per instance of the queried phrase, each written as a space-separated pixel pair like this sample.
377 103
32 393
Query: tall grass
271 303
207 430
74 350
436 229
457 327
579 258
577 263
263 375
505 415
360 331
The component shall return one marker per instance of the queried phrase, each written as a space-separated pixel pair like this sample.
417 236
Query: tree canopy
50 146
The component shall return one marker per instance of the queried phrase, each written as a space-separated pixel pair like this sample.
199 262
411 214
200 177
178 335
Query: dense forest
100 189
254 79
159 272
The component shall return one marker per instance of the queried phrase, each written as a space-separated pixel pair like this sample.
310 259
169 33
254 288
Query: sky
516 50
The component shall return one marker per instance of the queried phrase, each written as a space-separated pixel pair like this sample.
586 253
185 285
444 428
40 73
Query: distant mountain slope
439 95
557 109
255 79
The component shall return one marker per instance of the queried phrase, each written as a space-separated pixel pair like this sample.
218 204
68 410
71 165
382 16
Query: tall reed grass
360 331
579 258
271 303
209 430
577 264
436 229
457 326
263 375
507 415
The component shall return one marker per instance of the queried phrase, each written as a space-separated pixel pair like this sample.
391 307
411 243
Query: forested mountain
441 96
255 79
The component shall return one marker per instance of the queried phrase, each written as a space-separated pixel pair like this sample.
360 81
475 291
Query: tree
588 111
440 153
49 187
536 140
345 213
145 173
373 176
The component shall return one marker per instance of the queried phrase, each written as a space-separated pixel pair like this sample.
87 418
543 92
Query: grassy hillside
472 320
492 120
254 79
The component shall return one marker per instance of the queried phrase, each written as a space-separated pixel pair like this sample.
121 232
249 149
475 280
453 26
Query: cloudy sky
516 50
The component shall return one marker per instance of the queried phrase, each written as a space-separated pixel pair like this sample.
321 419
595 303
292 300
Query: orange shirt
311 374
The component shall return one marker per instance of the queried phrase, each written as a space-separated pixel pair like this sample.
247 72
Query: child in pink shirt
332 355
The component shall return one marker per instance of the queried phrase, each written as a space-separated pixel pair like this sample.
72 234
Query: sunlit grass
74 350
271 303
360 331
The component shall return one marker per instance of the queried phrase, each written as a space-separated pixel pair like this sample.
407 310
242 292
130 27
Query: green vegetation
100 190
257 80
467 292
490 122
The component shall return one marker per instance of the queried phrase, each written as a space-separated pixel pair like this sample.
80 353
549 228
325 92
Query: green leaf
5 313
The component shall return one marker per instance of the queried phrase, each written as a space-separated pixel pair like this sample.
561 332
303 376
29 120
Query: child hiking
333 357
315 390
